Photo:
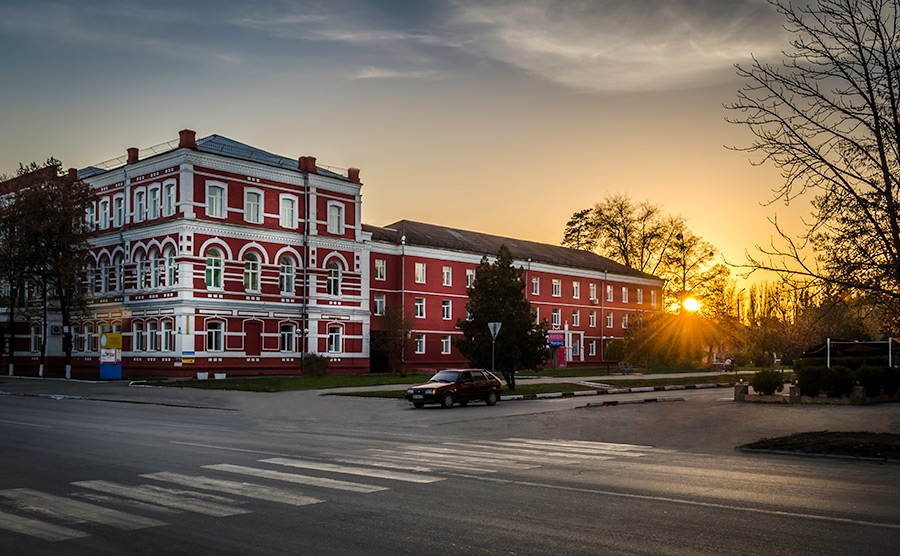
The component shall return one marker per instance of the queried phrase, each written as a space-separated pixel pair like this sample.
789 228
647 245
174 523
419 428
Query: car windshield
445 376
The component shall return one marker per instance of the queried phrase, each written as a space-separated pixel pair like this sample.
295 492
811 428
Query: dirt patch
827 443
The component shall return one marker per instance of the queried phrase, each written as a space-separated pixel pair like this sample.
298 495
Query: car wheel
491 398
447 400
418 405
463 403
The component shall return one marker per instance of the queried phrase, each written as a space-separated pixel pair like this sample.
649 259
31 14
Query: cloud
388 73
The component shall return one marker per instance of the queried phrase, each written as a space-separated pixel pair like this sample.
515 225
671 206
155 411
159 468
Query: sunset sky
500 116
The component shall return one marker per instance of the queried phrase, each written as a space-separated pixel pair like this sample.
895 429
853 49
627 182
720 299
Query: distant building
214 256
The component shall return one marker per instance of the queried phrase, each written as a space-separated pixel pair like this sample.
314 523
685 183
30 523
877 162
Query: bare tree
829 117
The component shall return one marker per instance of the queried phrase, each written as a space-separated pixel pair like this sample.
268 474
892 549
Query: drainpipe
305 308
403 287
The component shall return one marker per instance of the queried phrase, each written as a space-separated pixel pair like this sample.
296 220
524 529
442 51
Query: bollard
794 394
741 390
858 396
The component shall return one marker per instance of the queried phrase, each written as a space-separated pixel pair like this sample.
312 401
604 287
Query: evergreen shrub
314 365
767 382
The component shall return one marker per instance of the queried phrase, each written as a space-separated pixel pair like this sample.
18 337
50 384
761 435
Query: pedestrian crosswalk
221 490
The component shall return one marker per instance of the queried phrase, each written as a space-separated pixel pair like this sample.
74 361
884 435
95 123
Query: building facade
213 256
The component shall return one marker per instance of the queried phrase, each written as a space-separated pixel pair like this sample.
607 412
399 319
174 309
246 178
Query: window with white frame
576 346
103 216
215 201
171 267
251 272
625 320
137 336
140 270
153 203
535 285
653 298
118 211
640 296
609 319
157 269
335 218
334 338
592 347
470 277
104 274
169 198
447 274
420 307
286 274
88 337
288 214
140 207
253 207
420 273
35 337
592 319
119 264
537 315
380 270
556 285
215 335
445 344
446 309
89 217
333 283
214 267
609 293
286 339
420 343
593 292
624 294
576 290
168 336
576 317
556 317
152 336
378 304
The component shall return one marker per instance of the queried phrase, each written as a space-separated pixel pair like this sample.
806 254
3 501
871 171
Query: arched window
213 268
168 336
119 269
88 338
104 274
171 267
156 269
137 336
251 272
140 270
334 278
286 273
152 336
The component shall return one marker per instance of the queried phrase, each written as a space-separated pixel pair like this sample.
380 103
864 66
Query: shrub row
852 362
838 381
767 382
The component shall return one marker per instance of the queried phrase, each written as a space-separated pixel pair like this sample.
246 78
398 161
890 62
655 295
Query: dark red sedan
456 386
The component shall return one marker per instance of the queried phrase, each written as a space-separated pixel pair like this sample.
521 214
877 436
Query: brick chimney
307 164
187 139
73 174
132 155
353 175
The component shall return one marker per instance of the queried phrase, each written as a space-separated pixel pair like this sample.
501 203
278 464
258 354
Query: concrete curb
630 402
818 456
615 391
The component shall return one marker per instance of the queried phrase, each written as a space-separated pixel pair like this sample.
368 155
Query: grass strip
284 384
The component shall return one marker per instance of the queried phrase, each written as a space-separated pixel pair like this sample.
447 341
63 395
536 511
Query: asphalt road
112 469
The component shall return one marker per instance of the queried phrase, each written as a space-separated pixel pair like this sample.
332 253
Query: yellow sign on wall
111 340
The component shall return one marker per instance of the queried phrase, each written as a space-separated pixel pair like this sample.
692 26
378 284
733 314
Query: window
592 319
557 287
288 212
653 298
88 337
137 335
333 283
286 275
213 269
139 208
378 304
168 200
215 201
35 337
335 219
609 320
576 318
156 269
592 347
215 335
576 346
334 339
252 207
286 343
576 290
251 272
609 293
625 320
420 273
171 267
445 344
555 317
168 336
593 290
624 294
535 286
640 296
470 277
448 276
153 204
446 309
420 343
152 336
140 269
89 217
103 217
420 307
119 267
104 274
537 315
119 211
379 269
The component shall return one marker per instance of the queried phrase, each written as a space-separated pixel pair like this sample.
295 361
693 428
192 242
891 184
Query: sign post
111 356
494 327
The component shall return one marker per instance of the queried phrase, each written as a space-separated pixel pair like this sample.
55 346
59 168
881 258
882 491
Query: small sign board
556 339
187 356
494 327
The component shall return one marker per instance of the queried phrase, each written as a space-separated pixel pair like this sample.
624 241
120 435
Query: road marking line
391 465
452 464
249 490
522 454
588 444
178 499
579 452
686 502
294 478
25 424
375 473
78 511
37 528
503 460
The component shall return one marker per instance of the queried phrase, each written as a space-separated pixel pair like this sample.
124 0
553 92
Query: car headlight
410 391
429 391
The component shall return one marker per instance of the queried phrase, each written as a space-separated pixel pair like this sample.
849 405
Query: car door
465 386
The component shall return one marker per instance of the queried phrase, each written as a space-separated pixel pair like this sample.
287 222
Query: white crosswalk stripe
176 499
75 511
376 473
249 490
436 460
294 478
38 529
